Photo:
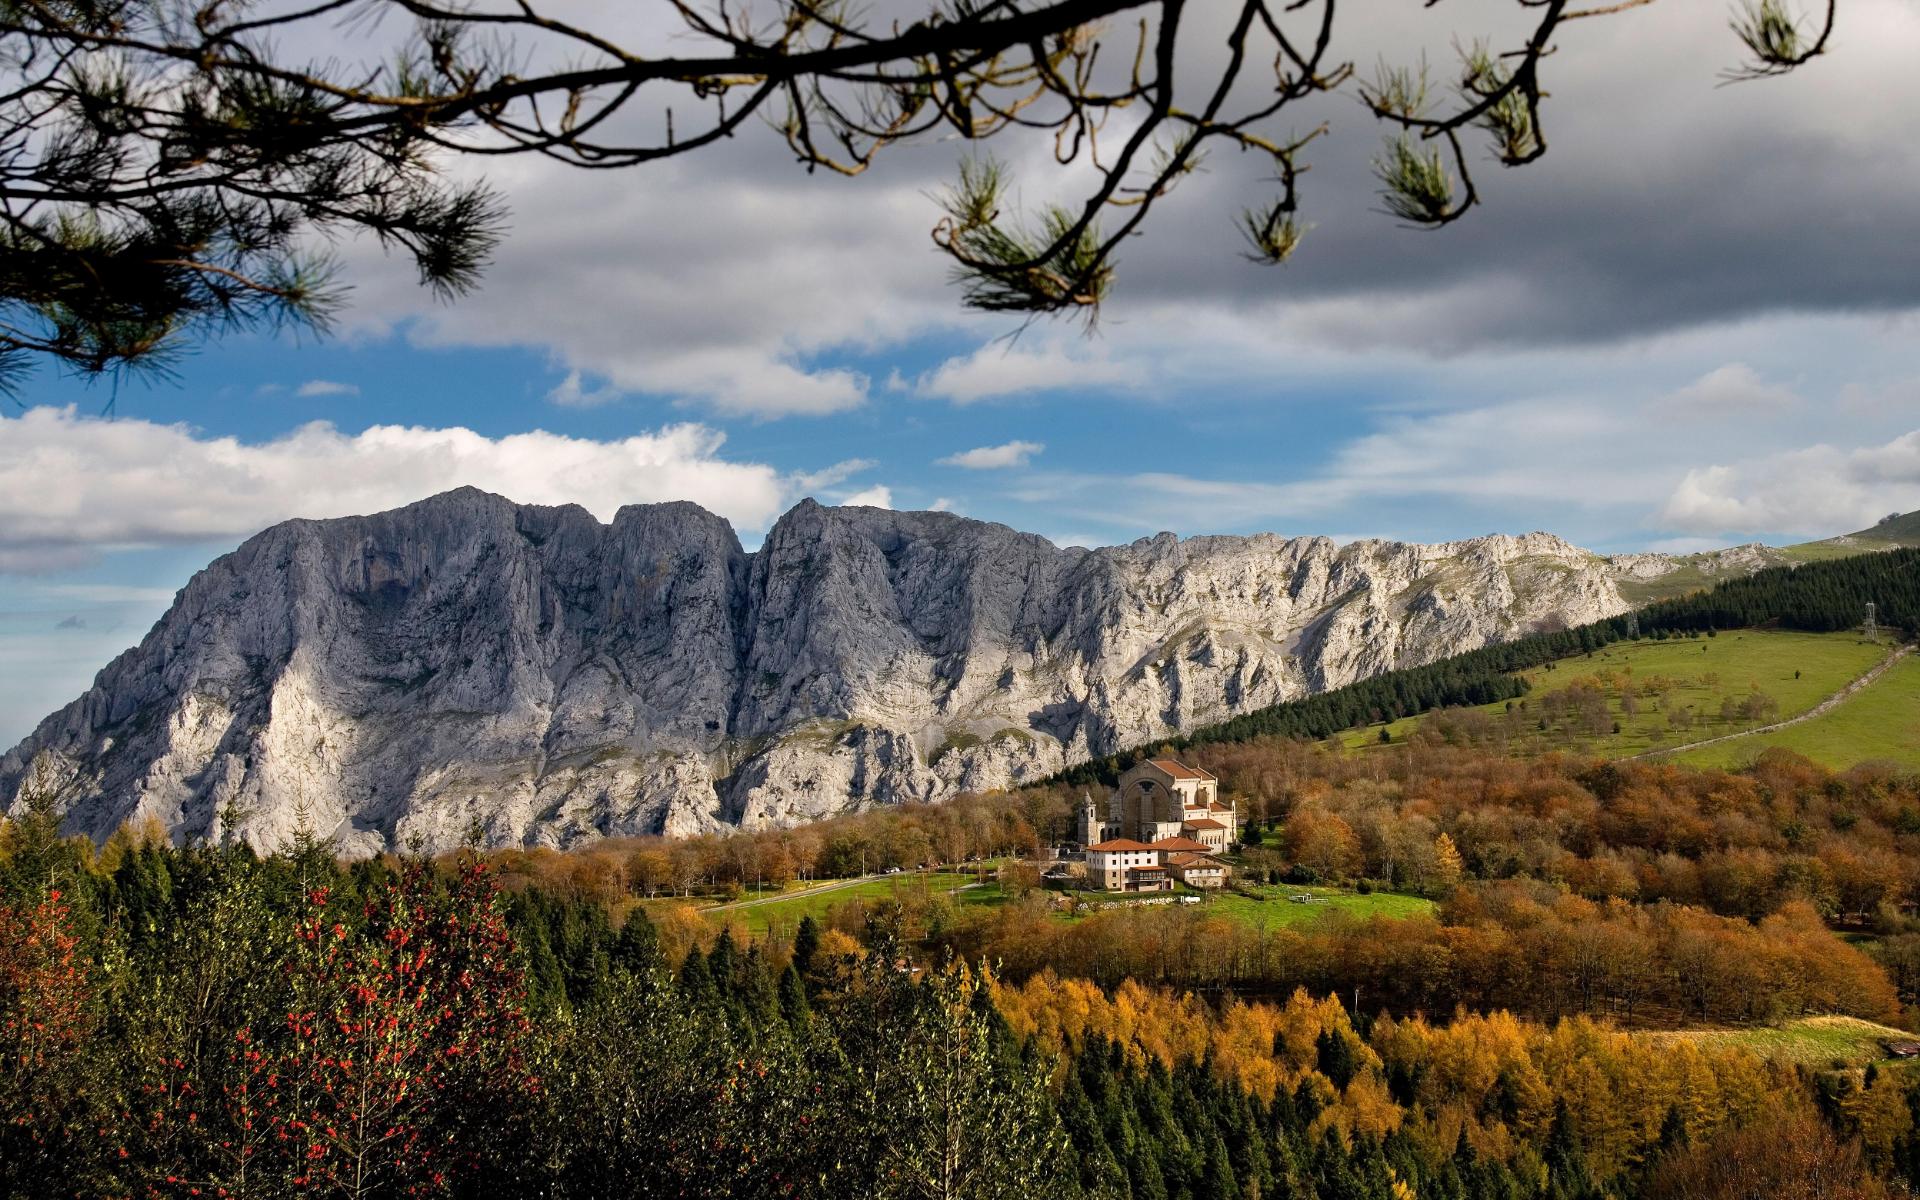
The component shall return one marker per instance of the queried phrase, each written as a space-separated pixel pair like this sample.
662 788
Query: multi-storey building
1163 822
1163 798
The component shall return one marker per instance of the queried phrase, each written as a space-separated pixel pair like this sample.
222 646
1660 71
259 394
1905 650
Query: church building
1164 822
1163 798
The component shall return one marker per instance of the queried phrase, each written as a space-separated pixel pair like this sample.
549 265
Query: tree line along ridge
1821 597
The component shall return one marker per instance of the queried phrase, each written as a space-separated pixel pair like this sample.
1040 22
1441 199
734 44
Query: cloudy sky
1696 322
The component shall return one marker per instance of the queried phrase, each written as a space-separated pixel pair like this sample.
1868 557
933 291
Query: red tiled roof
1216 806
1203 823
1178 769
1144 870
1196 860
1118 844
1180 843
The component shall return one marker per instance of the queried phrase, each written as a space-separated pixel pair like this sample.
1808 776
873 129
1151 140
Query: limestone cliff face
467 662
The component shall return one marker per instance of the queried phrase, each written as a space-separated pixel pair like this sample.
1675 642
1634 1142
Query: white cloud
326 387
1085 541
1584 466
840 472
1685 545
748 385
717 281
998 370
1815 491
71 486
1735 390
107 593
942 504
726 279
877 496
988 458
571 393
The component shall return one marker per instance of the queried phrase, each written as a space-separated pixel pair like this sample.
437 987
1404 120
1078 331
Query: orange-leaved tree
45 1017
394 1053
407 1037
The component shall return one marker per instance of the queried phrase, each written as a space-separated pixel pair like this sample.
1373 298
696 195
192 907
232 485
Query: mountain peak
554 678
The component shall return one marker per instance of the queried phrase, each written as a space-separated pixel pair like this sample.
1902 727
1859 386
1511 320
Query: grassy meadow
1264 907
1275 908
1816 1042
1636 697
760 916
1879 722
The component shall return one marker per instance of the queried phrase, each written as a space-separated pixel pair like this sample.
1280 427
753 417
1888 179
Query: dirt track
1820 709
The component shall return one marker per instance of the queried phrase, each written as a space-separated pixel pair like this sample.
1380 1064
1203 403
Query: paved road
817 889
1821 709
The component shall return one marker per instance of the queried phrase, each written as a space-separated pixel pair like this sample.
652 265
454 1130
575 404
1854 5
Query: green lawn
1703 671
1881 721
761 918
1276 909
1811 1041
983 895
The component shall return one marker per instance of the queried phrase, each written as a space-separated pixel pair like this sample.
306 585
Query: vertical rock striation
468 664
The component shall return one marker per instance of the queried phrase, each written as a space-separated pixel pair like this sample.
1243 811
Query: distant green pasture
786 914
1797 670
1879 722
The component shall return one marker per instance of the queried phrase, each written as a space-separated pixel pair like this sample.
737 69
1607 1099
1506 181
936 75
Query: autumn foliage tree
376 1050
46 1017
405 1039
1784 1157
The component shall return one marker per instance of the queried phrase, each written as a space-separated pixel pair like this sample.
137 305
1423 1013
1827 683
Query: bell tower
1089 820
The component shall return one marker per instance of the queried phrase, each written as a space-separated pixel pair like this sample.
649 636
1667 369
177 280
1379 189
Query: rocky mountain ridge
466 662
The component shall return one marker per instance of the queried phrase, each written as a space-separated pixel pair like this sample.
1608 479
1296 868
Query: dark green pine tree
1334 1058
758 994
637 948
806 945
793 997
1218 1177
581 940
1100 1173
1248 1148
1143 1170
1673 1130
1567 1175
546 980
723 969
696 984
143 892
1333 1174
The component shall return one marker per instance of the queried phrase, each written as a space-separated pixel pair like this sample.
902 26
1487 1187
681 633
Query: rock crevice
468 662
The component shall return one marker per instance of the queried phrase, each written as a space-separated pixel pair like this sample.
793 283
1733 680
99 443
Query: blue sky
1693 324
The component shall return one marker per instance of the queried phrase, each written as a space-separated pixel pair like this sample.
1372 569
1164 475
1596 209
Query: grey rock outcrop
468 664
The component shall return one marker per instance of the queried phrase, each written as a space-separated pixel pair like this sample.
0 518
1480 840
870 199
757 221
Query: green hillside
1697 572
1634 697
1891 534
1881 722
1274 907
1817 1042
760 916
